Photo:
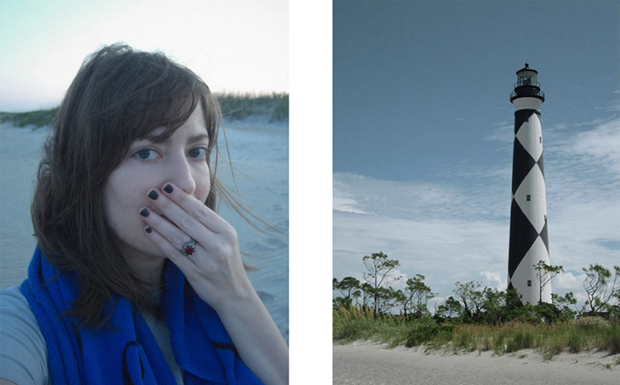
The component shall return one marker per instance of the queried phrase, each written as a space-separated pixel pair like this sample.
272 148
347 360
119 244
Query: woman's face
181 160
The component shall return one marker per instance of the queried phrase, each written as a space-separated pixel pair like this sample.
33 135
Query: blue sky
235 45
423 131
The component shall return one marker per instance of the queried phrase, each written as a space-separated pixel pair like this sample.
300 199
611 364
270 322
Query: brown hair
118 96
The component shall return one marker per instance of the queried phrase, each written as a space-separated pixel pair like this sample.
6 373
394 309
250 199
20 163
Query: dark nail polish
153 195
168 189
144 212
149 230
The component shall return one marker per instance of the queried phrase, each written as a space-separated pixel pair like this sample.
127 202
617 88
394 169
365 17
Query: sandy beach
372 364
259 153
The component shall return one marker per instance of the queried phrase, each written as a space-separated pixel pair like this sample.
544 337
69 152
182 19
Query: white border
310 134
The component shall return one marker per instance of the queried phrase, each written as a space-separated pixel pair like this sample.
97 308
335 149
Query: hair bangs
170 114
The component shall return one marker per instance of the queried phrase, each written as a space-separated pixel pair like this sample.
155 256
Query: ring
189 247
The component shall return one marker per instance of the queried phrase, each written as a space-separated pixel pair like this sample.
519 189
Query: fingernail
168 189
153 195
144 212
148 230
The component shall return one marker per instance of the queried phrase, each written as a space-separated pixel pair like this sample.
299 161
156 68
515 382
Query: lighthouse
528 243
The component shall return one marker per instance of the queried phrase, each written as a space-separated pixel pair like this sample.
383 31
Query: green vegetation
37 118
234 107
354 323
241 106
475 318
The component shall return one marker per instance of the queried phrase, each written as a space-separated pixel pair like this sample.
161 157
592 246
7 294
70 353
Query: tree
349 287
450 308
335 301
356 295
367 293
563 303
514 308
600 289
386 298
544 274
471 298
494 306
379 276
418 295
400 298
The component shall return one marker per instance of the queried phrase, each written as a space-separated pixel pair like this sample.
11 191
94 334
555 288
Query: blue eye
198 153
146 154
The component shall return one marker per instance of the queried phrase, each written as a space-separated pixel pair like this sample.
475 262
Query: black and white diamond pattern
528 214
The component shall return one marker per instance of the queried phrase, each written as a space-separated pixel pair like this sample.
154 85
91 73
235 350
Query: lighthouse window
529 283
528 198
540 139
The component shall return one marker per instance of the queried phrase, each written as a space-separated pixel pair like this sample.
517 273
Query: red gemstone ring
189 247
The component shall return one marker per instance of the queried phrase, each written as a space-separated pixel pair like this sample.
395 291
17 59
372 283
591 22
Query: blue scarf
128 353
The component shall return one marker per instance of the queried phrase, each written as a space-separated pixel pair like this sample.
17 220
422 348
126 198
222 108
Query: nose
181 174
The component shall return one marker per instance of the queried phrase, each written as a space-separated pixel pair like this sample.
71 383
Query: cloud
594 122
613 106
444 250
346 205
399 279
456 227
503 133
600 146
344 201
567 281
494 279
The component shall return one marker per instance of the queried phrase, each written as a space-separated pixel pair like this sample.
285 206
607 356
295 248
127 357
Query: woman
135 278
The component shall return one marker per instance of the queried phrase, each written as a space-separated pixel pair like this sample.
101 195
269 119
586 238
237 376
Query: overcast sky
423 133
235 45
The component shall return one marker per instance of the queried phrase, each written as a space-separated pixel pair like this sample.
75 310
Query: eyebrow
192 139
198 138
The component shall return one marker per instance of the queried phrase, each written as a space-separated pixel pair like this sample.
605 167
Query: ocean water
259 179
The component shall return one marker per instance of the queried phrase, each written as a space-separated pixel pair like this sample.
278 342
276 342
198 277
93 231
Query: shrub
240 106
500 347
280 111
575 341
421 334
587 323
37 118
522 339
613 341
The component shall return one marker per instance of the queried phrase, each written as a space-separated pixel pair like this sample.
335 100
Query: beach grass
234 106
36 119
352 324
584 334
238 106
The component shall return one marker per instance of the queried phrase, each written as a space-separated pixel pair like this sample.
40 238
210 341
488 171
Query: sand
259 153
366 363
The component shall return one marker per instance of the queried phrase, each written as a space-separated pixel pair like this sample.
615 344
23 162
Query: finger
168 230
177 222
186 265
177 215
196 209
